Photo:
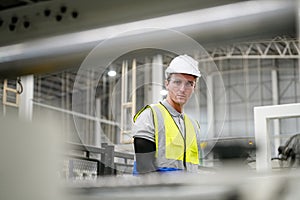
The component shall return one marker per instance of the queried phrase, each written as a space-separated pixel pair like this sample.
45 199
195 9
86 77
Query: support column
275 98
260 94
147 80
26 97
210 106
157 78
97 138
210 116
247 107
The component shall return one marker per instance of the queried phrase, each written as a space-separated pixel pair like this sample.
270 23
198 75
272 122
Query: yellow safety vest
172 149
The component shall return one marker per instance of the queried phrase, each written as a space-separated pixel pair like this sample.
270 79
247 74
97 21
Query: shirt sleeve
144 126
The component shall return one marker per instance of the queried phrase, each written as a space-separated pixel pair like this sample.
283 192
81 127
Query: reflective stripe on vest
170 147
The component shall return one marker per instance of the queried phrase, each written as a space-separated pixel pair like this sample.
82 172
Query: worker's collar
172 110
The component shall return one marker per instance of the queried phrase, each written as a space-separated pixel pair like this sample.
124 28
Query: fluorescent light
112 73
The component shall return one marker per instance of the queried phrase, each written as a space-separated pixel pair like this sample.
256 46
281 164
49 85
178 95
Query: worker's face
180 88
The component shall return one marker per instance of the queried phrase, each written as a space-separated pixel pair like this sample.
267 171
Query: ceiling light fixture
112 73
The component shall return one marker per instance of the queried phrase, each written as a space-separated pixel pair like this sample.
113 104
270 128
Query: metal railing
107 160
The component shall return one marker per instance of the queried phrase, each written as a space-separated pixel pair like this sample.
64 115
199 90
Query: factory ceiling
38 36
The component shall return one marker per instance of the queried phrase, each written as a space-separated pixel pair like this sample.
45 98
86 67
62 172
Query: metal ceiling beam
279 47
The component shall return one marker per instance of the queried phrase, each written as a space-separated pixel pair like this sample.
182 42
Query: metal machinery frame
262 115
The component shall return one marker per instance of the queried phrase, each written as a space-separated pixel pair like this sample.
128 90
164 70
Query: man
166 139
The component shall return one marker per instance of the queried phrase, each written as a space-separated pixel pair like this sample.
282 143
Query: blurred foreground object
29 161
227 185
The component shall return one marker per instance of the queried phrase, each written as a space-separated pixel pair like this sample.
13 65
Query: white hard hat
183 64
